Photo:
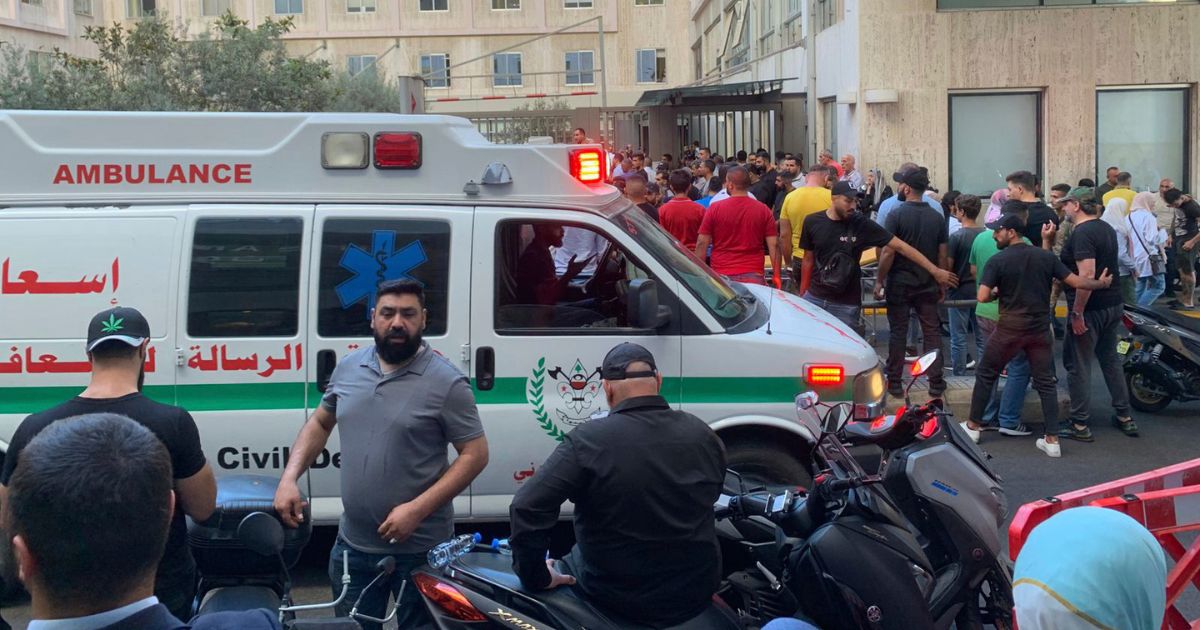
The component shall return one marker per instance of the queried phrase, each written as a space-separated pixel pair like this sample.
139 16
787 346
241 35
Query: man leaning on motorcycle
643 481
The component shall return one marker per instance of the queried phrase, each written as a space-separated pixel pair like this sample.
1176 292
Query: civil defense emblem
574 396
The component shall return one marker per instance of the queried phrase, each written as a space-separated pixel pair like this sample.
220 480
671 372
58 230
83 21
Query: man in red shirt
681 216
736 228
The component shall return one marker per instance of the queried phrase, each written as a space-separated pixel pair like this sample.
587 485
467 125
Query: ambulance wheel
770 463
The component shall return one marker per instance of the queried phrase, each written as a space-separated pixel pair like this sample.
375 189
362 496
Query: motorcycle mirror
261 533
806 414
836 417
924 363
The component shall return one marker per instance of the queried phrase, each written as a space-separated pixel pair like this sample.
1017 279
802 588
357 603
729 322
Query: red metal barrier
1166 501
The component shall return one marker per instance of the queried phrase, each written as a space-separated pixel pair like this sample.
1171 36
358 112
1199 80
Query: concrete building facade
975 89
40 26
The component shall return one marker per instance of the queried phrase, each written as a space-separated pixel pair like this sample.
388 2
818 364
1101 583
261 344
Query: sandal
1128 427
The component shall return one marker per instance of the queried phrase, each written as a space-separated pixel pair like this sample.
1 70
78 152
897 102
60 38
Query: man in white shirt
850 173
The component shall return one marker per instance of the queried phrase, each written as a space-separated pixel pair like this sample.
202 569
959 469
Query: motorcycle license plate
1123 347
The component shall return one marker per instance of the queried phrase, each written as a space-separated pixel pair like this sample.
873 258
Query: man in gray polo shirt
396 405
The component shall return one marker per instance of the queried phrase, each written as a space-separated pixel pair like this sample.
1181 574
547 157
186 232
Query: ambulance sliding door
242 332
356 248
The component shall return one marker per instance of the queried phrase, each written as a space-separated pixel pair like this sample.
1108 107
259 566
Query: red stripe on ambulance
109 174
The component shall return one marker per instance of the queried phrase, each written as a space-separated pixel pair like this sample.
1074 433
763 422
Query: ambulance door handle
326 361
485 368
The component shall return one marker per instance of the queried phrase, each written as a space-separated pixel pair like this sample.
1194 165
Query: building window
579 68
35 3
827 14
506 5
829 125
506 70
794 8
139 8
360 6
647 3
344 302
245 278
83 7
1151 147
737 38
1008 4
436 70
577 4
209 8
992 135
289 7
357 64
651 65
434 5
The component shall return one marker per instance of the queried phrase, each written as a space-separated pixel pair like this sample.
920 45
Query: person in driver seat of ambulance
643 481
537 281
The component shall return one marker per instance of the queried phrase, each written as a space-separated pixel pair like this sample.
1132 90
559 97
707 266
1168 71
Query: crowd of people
991 276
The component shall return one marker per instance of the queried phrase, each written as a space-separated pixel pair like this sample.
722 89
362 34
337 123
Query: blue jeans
848 314
1150 288
412 612
962 321
1005 409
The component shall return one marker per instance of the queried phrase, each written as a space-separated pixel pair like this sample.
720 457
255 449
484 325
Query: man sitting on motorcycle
643 481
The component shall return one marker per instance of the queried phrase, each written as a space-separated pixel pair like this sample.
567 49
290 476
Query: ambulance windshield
713 290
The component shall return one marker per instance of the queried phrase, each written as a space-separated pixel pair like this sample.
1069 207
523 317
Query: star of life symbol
381 264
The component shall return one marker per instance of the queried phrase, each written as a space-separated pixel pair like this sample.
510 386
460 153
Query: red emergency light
825 374
587 165
398 150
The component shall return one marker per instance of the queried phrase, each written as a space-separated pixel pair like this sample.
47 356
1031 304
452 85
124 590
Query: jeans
848 314
900 303
1099 343
962 320
1150 288
412 612
1004 409
1002 346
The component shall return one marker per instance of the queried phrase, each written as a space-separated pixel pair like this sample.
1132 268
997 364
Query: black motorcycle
1162 357
915 546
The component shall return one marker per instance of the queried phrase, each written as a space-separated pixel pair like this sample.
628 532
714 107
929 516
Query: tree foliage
151 66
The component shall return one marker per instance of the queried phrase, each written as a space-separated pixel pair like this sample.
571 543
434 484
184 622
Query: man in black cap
909 287
643 481
1020 276
831 276
117 343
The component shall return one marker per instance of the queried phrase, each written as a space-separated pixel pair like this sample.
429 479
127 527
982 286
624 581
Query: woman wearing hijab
1087 568
1114 215
1147 242
997 202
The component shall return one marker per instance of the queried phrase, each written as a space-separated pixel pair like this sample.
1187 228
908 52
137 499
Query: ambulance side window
245 278
357 254
551 274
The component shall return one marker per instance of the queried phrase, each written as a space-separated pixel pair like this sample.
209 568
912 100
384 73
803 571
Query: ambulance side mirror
644 310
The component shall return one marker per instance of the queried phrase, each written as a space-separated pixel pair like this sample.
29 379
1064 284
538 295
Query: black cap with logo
1010 221
620 357
845 189
122 323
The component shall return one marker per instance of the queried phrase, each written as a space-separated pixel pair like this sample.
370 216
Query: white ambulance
253 244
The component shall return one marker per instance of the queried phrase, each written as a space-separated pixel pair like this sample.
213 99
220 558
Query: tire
1143 398
990 605
763 463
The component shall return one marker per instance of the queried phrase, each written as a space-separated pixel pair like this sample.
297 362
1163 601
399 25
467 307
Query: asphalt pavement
1166 438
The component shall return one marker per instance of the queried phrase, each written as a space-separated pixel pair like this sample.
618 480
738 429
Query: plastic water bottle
500 545
452 549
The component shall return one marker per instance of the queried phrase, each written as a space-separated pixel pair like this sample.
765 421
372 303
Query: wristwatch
1074 314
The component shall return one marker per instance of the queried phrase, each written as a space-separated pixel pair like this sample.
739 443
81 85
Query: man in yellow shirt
808 199
1124 190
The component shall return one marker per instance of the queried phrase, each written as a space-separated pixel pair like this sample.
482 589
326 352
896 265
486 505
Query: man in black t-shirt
1021 276
117 344
831 278
1185 234
909 287
1095 321
965 208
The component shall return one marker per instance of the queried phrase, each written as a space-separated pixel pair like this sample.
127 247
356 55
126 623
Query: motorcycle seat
239 598
1178 319
567 603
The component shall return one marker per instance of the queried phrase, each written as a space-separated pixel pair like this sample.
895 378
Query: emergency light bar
825 374
351 150
398 150
587 165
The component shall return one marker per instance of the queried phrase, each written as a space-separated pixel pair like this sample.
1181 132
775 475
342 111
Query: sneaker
896 390
937 392
1053 450
971 364
971 433
1072 433
1129 428
1018 431
989 427
910 358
